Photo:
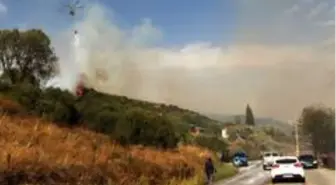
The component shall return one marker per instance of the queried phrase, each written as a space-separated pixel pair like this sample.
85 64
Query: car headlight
314 162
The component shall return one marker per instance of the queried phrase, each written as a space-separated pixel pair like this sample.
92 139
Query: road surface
254 175
251 175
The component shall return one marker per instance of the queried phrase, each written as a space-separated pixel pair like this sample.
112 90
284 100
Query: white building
224 133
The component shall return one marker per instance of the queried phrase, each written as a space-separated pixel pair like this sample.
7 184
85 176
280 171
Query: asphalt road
251 175
254 175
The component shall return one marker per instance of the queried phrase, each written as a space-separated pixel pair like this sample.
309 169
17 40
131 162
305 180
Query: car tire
264 168
303 180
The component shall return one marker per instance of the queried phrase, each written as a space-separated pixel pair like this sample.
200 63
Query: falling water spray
79 53
77 59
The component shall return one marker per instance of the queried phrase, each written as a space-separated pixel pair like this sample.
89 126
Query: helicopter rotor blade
76 2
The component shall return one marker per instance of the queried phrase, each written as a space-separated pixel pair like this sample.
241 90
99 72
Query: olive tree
26 56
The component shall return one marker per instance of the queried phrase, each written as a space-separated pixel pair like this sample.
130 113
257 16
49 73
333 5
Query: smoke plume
282 59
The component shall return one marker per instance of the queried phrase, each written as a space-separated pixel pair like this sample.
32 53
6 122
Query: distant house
196 131
224 133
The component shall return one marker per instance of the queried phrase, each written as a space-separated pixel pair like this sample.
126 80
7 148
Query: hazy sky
211 56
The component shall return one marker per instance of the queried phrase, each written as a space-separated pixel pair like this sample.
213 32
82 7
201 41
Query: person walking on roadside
209 170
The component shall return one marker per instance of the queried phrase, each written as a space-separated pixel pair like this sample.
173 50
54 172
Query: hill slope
264 122
66 151
125 120
41 152
82 143
95 106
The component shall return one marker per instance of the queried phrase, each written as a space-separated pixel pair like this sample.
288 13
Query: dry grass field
35 152
39 152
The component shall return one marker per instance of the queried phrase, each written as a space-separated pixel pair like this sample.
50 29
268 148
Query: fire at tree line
28 61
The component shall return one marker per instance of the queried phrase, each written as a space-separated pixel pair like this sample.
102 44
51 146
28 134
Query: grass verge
224 171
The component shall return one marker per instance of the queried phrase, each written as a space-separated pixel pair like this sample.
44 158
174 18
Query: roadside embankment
39 152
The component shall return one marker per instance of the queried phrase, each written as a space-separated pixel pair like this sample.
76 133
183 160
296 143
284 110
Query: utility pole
297 142
296 135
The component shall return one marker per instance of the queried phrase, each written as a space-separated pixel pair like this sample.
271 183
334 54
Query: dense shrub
277 134
140 127
212 143
125 120
27 95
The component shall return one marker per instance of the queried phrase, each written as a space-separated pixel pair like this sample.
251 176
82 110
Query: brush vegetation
37 151
127 121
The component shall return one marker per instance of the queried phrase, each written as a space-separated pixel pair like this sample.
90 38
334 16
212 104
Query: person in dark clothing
209 170
223 157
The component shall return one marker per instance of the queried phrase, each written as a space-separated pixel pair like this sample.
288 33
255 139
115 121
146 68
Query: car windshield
286 161
240 154
306 157
267 154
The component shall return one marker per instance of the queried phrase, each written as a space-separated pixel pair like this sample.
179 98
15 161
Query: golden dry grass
9 106
36 151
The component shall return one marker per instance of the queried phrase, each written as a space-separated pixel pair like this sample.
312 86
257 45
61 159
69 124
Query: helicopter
73 6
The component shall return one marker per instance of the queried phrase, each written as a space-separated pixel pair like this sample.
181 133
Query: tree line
317 125
28 61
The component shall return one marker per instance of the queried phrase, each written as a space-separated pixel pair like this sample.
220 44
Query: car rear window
306 157
286 161
275 154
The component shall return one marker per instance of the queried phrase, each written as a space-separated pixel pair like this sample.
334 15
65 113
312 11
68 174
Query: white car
287 168
268 159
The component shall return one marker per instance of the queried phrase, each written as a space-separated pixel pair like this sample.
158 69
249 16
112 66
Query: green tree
317 123
26 56
213 143
249 118
138 126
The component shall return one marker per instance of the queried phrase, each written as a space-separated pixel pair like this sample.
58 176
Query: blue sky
180 21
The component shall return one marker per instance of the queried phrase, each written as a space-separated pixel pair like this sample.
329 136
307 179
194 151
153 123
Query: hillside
38 151
177 115
261 122
125 120
51 136
96 101
253 141
106 138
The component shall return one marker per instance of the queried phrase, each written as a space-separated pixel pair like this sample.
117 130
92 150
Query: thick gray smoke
282 60
295 45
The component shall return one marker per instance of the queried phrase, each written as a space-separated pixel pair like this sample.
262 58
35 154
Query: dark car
308 161
240 159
